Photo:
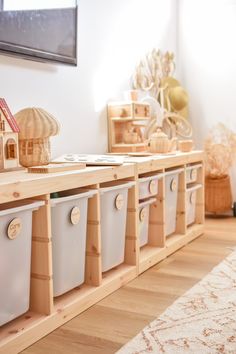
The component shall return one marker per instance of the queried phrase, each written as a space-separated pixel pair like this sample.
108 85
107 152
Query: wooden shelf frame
159 245
41 286
47 313
129 119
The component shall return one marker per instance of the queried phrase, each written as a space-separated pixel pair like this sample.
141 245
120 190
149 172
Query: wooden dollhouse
9 129
126 125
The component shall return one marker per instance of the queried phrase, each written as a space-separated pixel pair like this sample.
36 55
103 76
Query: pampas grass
220 149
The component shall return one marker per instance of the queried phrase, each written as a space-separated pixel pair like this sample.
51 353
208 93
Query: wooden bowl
185 145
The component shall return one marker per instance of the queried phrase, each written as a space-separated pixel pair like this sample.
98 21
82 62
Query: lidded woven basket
36 126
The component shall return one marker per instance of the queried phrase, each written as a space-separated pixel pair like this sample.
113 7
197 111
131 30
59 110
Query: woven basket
36 123
34 152
218 196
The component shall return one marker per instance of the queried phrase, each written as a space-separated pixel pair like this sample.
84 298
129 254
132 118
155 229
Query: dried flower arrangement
166 96
151 70
220 149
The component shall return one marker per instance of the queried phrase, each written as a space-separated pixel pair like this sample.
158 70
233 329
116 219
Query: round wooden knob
119 201
146 111
192 198
123 113
14 228
193 174
152 186
142 214
173 185
75 215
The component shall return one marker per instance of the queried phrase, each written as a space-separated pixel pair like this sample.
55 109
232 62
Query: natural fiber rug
202 321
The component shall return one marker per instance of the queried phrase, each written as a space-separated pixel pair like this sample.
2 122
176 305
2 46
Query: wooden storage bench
46 312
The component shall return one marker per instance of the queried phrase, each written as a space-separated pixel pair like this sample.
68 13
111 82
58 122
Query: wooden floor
105 327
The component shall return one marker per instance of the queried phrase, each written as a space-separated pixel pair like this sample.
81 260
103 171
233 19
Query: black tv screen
40 34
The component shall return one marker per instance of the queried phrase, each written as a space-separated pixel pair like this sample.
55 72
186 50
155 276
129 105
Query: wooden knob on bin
75 215
119 201
14 228
142 214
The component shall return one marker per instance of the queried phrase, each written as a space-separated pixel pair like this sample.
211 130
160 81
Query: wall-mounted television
42 30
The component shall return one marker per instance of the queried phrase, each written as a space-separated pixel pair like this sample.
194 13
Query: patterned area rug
202 321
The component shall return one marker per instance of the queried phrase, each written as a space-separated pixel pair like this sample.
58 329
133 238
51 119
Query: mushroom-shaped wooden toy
36 126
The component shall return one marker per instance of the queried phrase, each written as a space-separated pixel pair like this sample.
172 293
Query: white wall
112 36
207 51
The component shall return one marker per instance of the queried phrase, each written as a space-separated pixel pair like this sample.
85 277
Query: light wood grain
121 122
160 161
156 232
28 328
93 243
20 185
32 326
41 288
200 201
105 327
131 238
181 205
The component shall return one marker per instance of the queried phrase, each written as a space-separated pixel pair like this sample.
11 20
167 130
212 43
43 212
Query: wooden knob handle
75 215
192 197
119 201
173 185
193 174
142 214
152 186
14 228
146 111
123 113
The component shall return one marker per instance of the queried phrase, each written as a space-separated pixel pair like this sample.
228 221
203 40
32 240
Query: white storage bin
69 226
171 197
191 195
144 208
113 223
15 257
148 186
191 173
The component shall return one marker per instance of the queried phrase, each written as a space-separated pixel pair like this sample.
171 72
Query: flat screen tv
39 33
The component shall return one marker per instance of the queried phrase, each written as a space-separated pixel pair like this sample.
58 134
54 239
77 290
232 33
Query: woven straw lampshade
36 126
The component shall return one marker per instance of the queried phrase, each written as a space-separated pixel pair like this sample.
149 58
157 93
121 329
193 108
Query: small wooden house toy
126 125
9 149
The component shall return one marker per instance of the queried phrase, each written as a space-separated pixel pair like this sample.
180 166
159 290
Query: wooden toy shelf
46 312
139 147
126 125
128 119
160 247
